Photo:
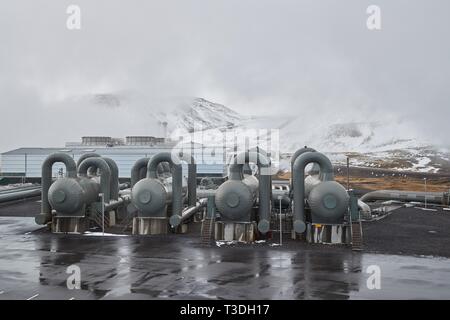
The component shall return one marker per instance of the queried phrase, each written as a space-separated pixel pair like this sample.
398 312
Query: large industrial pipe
21 188
189 212
105 174
365 210
20 194
71 172
177 176
265 186
93 170
136 170
298 153
192 177
431 197
114 186
298 182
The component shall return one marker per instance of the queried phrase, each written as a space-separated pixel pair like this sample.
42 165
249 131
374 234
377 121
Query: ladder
127 222
97 218
207 228
357 239
355 223
208 222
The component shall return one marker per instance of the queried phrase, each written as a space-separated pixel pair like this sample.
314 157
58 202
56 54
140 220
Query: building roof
127 149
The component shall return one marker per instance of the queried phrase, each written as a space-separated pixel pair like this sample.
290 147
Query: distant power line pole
348 173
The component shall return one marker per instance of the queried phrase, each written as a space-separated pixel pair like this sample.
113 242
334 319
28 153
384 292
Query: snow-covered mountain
200 114
391 144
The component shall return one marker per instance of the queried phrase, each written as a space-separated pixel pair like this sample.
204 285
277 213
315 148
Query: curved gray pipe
177 176
114 186
46 180
93 170
298 153
298 183
136 170
365 210
192 177
265 185
105 175
431 197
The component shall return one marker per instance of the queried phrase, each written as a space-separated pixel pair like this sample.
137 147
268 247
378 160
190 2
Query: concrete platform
33 265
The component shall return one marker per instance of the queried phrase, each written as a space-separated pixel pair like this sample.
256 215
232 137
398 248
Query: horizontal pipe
23 194
18 189
175 221
114 204
431 197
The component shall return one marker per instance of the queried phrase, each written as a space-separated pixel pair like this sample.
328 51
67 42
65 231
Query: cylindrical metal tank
311 182
68 195
328 202
235 198
151 196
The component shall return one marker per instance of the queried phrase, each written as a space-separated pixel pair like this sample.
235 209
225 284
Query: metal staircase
355 224
208 222
207 228
357 238
96 217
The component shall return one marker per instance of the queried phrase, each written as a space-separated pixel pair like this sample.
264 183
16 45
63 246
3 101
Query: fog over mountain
306 64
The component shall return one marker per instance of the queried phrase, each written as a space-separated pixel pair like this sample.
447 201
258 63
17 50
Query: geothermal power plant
177 226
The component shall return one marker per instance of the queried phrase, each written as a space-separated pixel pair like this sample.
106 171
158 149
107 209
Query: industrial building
27 162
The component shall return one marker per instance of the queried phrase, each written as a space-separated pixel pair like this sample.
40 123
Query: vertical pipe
114 183
136 169
26 165
46 181
192 176
348 173
265 186
298 182
294 157
177 176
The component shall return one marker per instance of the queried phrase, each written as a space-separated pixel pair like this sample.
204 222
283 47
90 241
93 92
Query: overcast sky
255 56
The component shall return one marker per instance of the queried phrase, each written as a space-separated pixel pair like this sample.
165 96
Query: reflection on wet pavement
176 266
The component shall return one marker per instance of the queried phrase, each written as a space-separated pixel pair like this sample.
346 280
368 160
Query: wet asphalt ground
34 264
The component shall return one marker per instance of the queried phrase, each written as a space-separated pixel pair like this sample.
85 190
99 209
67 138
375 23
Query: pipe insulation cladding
71 172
